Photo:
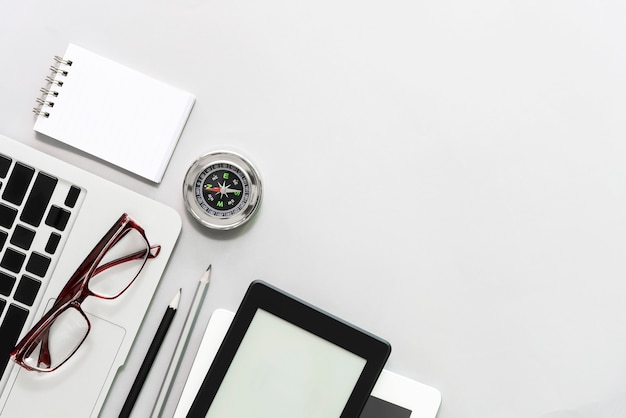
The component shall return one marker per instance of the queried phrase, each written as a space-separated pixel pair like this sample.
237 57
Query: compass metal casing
222 190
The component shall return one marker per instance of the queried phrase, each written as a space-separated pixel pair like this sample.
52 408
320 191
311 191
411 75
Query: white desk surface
447 174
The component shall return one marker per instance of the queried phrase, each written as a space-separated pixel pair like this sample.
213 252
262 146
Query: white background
446 174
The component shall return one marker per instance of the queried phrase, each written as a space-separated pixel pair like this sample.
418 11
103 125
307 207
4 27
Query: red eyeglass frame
76 290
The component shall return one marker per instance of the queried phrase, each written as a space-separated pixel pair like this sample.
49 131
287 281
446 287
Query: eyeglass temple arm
79 276
152 253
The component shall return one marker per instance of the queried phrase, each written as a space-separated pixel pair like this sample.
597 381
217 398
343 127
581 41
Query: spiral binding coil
51 89
62 61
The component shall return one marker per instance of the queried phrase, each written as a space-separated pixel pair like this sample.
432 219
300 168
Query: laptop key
18 183
72 197
7 216
10 331
22 237
3 239
58 218
38 264
6 284
13 260
38 199
26 291
53 243
5 164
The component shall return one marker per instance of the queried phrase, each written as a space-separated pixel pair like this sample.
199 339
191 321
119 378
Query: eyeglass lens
64 336
120 265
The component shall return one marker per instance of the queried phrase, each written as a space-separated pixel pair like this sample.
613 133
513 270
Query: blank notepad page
113 112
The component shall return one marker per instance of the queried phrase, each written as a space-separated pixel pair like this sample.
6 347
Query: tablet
396 396
283 357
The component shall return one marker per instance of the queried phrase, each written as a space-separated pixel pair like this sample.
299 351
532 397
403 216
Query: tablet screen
284 371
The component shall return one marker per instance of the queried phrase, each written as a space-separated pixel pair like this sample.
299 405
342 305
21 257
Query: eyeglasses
107 272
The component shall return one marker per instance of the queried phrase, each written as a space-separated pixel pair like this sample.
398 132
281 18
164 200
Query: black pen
150 356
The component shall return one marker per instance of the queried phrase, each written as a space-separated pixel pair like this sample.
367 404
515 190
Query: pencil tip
207 275
174 303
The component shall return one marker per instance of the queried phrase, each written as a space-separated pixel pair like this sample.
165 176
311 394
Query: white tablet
400 395
283 357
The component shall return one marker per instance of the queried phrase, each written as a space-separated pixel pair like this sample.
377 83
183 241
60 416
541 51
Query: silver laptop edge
103 203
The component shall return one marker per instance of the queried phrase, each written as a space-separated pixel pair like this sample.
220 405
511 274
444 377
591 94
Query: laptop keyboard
36 215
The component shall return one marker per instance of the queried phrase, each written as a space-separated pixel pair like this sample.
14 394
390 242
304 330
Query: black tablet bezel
261 295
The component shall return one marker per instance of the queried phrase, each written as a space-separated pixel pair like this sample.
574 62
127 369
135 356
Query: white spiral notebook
112 112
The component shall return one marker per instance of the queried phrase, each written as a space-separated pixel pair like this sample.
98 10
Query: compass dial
222 190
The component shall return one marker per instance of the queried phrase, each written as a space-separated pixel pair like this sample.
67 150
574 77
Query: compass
222 190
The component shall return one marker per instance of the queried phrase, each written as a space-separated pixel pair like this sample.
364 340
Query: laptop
393 396
51 215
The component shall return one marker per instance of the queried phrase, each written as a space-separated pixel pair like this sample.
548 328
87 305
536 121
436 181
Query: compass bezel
212 218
